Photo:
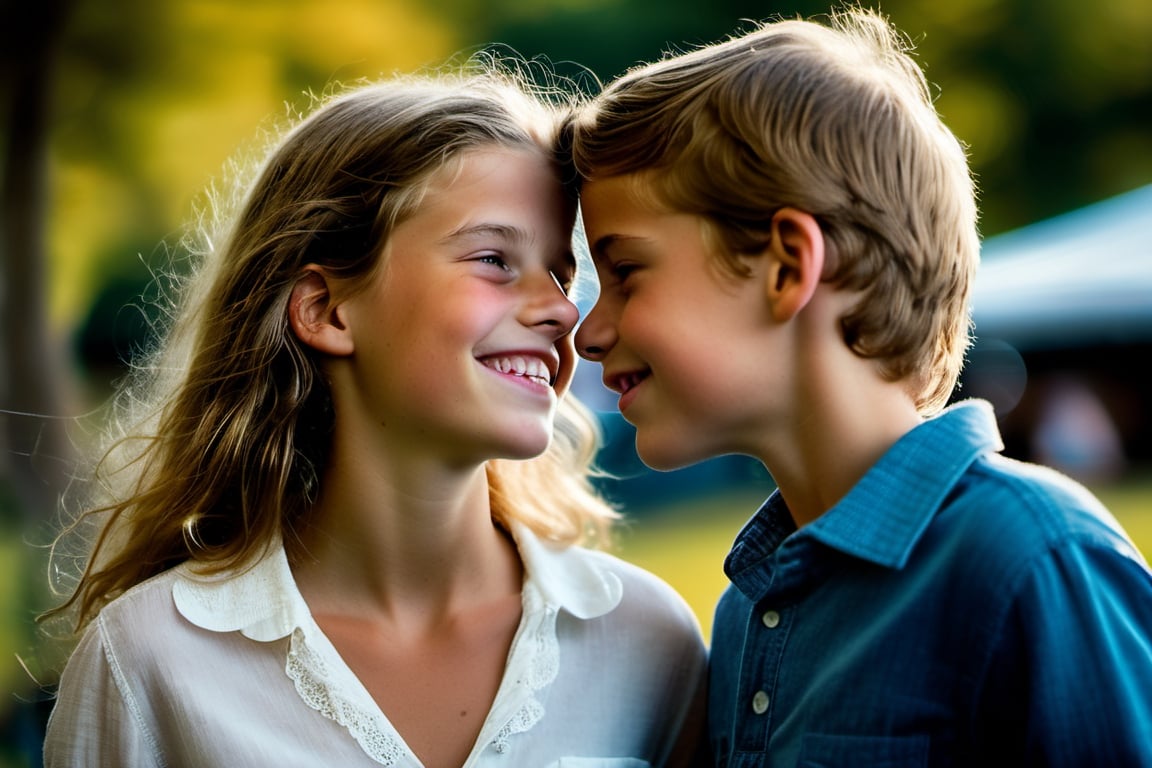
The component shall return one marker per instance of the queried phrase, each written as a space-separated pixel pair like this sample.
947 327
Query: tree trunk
35 451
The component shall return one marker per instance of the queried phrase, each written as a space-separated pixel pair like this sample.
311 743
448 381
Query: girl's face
462 343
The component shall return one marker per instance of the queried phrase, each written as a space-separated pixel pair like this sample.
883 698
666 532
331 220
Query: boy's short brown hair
837 120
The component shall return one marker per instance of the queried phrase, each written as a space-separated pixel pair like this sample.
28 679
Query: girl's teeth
521 366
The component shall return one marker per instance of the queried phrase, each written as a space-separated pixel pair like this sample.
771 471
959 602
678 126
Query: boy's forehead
635 190
615 206
623 220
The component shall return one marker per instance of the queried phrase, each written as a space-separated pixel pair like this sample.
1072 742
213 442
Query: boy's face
682 340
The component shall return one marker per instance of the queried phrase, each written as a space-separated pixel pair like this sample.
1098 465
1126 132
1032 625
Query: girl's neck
405 541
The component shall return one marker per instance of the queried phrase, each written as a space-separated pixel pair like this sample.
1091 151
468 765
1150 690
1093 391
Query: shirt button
771 619
760 702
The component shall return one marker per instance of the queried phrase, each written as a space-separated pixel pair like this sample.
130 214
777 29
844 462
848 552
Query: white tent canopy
1081 278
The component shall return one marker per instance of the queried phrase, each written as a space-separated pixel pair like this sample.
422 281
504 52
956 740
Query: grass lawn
686 544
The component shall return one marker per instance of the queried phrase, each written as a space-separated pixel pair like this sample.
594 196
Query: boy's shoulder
1023 498
958 456
947 488
1009 522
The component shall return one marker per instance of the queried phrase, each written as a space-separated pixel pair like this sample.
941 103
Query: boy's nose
596 334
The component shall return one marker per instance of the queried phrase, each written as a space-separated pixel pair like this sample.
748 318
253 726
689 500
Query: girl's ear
315 316
797 261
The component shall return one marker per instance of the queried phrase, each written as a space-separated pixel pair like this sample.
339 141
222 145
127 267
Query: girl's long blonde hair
217 438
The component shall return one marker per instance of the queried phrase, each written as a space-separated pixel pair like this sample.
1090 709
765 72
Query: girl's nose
552 307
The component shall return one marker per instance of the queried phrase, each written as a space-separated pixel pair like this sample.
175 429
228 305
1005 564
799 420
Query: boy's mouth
622 382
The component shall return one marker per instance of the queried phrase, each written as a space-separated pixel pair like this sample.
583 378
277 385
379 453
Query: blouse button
771 619
760 702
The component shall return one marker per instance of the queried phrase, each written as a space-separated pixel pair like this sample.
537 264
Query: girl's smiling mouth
527 366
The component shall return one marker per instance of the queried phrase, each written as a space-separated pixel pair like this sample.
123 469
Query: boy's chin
666 457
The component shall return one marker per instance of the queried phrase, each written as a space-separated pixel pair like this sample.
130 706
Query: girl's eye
494 259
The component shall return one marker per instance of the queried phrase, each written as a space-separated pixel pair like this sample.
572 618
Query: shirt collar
261 601
571 578
887 511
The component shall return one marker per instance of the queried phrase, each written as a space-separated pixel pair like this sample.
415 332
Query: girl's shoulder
646 592
148 599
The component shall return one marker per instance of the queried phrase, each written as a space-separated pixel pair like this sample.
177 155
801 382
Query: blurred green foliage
1053 97
151 99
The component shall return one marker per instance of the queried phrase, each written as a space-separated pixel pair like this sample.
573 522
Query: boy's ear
796 263
315 317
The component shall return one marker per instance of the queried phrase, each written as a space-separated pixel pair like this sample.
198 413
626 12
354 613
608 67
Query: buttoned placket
760 699
767 632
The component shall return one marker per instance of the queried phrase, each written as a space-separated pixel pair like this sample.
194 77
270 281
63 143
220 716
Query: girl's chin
523 448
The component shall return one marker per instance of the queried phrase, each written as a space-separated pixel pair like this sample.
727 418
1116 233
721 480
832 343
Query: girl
345 523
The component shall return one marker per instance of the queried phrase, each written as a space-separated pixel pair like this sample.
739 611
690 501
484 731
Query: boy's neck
836 440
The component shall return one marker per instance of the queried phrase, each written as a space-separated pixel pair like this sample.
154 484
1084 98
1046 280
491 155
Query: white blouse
184 670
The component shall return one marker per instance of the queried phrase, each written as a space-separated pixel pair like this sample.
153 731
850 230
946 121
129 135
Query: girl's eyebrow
487 229
506 232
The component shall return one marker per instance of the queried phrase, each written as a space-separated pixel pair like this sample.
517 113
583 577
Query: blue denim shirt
955 608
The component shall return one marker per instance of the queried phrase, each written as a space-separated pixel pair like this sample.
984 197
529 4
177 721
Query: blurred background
118 115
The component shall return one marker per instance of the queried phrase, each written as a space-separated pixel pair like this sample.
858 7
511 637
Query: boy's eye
622 269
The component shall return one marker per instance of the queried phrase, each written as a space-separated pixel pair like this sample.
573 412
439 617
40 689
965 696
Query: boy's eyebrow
606 243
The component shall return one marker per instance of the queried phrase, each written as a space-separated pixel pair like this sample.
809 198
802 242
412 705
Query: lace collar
261 601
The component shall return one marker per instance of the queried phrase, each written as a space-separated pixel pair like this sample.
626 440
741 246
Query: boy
785 234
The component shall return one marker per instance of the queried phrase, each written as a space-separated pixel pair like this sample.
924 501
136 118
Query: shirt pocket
600 762
825 751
